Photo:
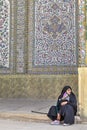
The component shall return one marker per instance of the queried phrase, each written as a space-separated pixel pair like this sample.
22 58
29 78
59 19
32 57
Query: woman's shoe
56 122
65 124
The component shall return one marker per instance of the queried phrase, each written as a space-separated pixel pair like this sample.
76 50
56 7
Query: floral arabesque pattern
55 33
4 33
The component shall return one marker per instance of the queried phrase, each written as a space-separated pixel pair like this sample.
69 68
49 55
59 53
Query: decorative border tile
82 30
9 69
20 36
86 32
4 33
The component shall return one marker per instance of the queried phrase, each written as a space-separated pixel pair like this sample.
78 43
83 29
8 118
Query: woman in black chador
66 108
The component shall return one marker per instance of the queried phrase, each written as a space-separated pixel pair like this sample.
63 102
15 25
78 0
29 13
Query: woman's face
68 91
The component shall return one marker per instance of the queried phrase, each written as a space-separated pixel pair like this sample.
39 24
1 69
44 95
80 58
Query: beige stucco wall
82 91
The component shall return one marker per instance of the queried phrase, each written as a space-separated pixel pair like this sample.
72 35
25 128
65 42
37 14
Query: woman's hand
63 103
58 117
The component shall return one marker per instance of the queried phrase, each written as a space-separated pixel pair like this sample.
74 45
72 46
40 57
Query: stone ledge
33 117
25 117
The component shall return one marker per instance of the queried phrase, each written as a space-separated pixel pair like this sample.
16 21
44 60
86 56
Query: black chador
67 111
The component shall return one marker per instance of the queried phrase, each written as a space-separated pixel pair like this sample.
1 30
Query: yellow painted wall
82 83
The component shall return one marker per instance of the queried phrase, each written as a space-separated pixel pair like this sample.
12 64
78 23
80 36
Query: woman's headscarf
65 89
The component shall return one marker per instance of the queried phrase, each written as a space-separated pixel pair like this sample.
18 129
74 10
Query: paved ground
21 125
21 109
25 105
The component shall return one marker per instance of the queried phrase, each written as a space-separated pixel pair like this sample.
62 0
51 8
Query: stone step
31 117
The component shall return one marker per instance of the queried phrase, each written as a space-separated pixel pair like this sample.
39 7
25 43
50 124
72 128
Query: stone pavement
21 109
27 109
24 125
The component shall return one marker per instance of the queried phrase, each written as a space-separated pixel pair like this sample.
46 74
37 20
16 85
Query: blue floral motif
4 33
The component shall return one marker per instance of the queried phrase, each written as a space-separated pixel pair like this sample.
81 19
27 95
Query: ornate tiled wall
4 33
53 36
41 37
55 33
14 54
7 33
49 36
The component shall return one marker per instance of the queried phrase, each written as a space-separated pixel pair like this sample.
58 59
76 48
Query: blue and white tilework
55 40
4 33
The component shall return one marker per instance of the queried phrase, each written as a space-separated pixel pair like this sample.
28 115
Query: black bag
52 113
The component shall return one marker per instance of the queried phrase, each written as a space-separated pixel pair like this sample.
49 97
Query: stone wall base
36 86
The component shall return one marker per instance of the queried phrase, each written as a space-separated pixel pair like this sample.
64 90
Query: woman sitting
66 107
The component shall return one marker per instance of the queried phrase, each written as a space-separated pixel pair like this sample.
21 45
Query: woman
66 107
